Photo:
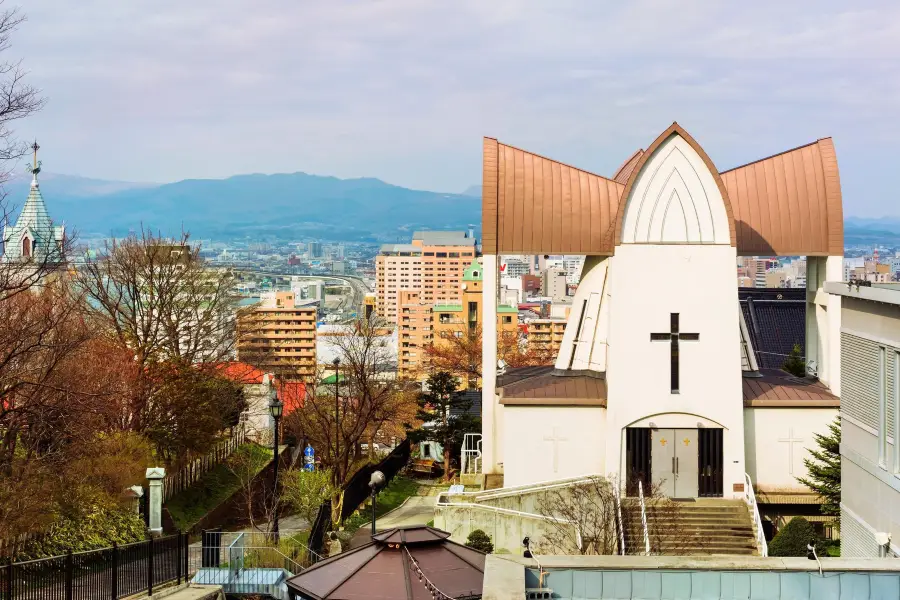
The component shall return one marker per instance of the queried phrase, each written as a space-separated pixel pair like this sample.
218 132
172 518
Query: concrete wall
507 528
771 463
528 446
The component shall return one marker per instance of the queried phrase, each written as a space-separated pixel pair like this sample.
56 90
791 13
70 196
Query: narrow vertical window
882 409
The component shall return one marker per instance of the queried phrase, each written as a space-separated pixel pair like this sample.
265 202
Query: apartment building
422 323
278 336
545 335
433 263
554 284
870 419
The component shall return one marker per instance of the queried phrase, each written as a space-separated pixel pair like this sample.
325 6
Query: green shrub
792 539
479 540
98 527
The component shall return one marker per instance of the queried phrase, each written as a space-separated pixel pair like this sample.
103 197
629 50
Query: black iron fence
105 574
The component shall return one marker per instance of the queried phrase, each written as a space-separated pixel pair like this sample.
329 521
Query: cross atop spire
35 166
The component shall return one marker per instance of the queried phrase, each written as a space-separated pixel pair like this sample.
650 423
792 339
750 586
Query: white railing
644 519
470 461
750 499
621 530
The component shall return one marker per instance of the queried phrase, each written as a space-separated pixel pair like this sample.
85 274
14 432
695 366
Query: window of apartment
454 255
507 320
882 408
441 255
429 254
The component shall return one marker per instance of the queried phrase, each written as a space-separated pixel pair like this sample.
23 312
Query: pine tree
794 364
443 412
825 469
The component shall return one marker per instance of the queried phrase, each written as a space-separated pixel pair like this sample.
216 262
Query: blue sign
309 458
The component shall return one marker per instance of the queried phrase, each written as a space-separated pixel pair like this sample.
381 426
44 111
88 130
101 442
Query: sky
404 90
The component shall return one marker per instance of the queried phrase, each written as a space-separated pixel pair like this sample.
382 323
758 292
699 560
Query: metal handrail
621 529
644 519
750 499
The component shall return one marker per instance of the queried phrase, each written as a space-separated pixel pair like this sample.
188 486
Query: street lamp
275 409
337 412
376 481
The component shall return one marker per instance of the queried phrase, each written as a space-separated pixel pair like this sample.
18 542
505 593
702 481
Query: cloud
404 89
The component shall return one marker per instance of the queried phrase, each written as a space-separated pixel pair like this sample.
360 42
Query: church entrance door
674 462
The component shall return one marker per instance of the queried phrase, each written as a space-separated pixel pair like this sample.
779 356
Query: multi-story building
433 263
531 285
278 336
514 266
421 323
554 284
314 250
870 419
545 335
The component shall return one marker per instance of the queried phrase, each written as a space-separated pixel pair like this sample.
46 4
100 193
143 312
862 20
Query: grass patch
215 487
389 498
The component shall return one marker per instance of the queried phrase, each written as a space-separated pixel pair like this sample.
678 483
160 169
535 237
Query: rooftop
778 389
443 238
547 385
886 293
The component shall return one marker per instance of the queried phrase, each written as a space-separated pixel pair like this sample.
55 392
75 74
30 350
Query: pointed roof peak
473 272
35 166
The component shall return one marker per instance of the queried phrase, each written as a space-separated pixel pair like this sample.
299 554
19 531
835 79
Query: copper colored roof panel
531 204
625 169
786 204
777 389
789 203
546 386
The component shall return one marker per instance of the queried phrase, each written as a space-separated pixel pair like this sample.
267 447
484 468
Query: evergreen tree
825 469
794 364
443 413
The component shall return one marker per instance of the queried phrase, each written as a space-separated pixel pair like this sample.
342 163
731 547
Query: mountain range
286 206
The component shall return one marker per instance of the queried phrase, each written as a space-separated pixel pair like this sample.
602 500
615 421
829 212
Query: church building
34 237
657 379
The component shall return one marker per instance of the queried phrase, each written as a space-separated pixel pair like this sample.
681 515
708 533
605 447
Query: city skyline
194 92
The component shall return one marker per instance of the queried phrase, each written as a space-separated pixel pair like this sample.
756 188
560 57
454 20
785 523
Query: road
417 510
358 287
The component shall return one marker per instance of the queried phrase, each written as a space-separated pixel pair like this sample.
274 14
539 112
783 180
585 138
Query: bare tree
590 507
158 300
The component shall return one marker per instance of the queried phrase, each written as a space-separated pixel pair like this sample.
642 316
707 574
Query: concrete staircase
691 527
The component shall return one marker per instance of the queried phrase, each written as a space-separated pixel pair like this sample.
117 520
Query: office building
314 250
554 284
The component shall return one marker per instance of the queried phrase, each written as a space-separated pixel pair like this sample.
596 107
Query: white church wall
697 282
546 443
595 323
777 441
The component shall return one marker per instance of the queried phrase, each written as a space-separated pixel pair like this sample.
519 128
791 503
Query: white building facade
657 382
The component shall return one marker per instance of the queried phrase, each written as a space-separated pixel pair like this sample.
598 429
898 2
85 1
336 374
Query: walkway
417 510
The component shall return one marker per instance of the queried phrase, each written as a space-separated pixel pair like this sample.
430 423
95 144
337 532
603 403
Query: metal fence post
150 566
187 548
178 555
9 578
70 575
115 571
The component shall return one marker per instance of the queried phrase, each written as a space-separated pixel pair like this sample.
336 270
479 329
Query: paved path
417 510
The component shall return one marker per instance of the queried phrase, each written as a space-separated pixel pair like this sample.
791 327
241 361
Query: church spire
35 166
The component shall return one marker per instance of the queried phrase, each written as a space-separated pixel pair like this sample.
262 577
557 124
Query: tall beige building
278 336
432 264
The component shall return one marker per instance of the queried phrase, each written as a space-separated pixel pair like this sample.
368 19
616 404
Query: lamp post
337 413
375 482
275 409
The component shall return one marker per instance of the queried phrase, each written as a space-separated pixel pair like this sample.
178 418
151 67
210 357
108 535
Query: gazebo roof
397 563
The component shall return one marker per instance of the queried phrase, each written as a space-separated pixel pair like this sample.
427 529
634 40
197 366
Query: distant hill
287 206
259 206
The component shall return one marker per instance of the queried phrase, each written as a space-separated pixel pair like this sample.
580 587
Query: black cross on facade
673 336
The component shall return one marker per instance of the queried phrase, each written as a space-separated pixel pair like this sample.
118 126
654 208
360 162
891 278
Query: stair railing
621 529
644 519
750 500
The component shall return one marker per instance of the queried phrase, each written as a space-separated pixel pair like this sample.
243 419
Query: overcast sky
403 90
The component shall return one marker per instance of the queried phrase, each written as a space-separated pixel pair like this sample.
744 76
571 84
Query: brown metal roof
531 204
786 204
382 570
778 389
623 173
544 385
789 203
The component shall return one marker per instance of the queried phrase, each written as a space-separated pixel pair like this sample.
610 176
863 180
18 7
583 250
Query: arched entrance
679 455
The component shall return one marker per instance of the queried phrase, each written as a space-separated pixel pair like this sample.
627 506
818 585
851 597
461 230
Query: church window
882 408
26 247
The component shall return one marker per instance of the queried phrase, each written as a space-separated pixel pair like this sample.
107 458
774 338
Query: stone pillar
489 438
155 475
